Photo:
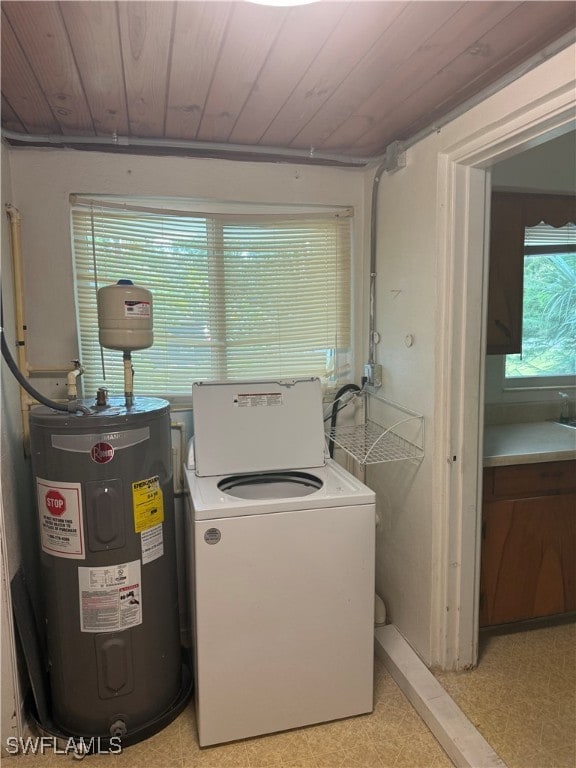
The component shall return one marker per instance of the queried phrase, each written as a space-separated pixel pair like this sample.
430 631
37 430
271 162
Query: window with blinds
548 357
235 296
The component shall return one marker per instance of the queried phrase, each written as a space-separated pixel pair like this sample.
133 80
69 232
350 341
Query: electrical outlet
373 375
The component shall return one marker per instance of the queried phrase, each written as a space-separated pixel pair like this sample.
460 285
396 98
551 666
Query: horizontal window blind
235 296
544 239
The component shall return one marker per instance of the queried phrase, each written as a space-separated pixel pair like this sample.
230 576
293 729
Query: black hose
21 379
24 382
336 408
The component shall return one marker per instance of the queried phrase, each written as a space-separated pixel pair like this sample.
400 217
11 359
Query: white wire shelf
373 443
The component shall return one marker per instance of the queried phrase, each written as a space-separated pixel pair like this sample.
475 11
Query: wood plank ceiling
328 79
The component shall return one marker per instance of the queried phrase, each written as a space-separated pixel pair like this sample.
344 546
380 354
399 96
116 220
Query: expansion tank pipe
128 379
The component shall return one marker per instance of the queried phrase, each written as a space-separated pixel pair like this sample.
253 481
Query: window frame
247 212
554 381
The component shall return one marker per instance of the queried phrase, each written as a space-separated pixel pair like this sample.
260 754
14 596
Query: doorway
463 208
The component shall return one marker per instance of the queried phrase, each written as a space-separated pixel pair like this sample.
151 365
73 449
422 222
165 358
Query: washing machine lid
256 426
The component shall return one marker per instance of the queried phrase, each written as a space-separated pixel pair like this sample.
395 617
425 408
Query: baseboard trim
463 744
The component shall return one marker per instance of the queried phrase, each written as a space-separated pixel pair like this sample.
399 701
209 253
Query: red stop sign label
55 503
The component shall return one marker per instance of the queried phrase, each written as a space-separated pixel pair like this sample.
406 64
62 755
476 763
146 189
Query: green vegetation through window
549 307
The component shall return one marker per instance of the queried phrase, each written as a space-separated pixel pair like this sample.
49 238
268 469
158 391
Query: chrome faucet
564 408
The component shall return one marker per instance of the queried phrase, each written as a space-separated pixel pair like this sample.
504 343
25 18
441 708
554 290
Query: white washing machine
281 566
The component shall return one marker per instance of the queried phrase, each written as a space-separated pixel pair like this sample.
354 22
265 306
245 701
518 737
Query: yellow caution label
147 503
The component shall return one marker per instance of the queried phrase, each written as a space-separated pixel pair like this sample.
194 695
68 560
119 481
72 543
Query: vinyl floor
521 697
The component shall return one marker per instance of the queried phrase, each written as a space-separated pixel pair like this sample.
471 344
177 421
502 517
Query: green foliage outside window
549 311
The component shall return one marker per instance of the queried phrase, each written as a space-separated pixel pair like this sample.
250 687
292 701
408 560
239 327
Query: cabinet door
528 556
511 213
506 277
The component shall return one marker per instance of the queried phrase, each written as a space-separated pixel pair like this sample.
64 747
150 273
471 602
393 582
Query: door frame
462 215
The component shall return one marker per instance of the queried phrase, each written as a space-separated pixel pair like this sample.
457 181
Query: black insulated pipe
335 408
24 383
20 378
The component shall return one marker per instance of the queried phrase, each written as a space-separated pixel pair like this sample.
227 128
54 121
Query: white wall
405 304
14 485
550 167
44 179
414 295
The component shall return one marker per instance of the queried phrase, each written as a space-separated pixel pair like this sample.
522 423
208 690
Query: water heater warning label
60 513
147 504
110 597
152 544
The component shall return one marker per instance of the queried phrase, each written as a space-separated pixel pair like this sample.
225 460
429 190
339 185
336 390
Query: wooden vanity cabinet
528 565
511 213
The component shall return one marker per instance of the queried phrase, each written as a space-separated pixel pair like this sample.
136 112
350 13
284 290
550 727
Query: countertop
528 443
